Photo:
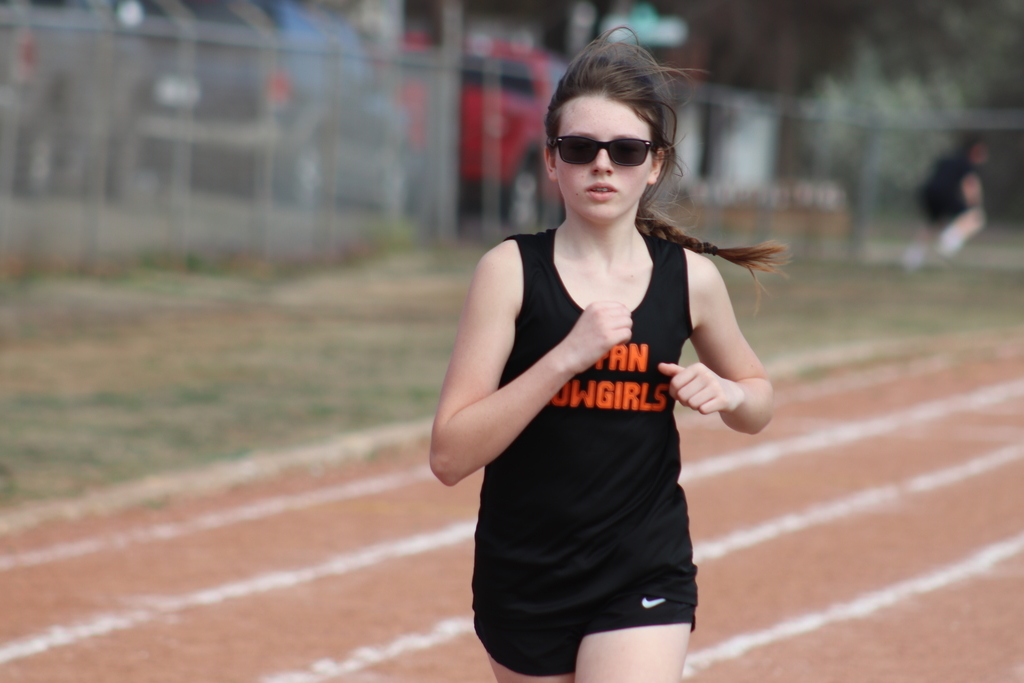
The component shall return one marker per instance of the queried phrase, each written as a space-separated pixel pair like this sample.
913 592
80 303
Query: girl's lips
600 191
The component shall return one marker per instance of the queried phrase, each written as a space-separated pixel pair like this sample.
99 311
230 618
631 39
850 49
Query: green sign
650 28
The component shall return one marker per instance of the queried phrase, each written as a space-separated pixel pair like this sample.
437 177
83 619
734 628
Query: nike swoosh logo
648 604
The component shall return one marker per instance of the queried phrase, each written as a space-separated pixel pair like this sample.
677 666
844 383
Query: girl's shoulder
700 269
700 264
537 240
704 279
498 278
523 249
502 256
709 297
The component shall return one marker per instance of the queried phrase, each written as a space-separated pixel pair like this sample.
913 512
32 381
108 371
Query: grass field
107 380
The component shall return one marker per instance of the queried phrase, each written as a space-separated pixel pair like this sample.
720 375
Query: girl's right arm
476 421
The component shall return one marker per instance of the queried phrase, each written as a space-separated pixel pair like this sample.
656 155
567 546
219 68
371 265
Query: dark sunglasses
576 149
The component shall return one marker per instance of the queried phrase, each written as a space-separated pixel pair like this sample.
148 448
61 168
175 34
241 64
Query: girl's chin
611 208
600 215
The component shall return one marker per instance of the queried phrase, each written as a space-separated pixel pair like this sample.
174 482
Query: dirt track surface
874 532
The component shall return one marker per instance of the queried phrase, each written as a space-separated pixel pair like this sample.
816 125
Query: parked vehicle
234 98
501 134
50 102
280 93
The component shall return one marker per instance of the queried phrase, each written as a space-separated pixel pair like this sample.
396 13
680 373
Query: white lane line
341 564
971 468
859 608
757 455
863 380
66 635
832 386
58 636
325 669
763 453
744 538
215 477
855 503
850 432
214 520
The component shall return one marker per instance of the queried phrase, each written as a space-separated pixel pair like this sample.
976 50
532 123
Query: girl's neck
610 243
603 264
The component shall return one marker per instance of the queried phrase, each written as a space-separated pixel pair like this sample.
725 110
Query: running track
874 532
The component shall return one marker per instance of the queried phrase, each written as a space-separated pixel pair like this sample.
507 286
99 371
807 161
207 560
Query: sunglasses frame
606 146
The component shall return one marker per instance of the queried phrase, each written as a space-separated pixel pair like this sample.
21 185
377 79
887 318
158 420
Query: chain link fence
291 139
275 140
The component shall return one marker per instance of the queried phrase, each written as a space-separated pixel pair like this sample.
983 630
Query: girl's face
602 191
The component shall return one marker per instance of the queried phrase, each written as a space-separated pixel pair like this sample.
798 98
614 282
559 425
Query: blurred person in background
562 385
951 199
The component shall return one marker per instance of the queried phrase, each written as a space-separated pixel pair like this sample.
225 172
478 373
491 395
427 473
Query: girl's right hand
604 324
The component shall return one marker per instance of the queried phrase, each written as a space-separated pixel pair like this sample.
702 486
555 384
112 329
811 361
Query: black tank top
586 501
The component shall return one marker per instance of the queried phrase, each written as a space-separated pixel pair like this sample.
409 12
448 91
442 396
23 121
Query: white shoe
913 257
950 241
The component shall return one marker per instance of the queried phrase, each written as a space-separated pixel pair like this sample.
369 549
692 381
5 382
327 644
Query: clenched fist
602 325
697 387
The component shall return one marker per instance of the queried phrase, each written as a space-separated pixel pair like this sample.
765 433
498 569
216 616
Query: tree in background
786 45
964 53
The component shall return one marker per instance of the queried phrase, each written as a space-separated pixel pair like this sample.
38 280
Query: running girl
562 385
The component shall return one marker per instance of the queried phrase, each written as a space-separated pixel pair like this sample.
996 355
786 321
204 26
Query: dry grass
832 304
108 380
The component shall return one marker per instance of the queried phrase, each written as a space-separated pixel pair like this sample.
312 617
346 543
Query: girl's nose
602 160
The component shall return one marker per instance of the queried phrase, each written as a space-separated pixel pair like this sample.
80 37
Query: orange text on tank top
607 395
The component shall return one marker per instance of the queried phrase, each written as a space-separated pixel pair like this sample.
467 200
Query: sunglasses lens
576 150
628 152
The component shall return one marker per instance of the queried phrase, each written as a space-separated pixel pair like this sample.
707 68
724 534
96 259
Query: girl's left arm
728 379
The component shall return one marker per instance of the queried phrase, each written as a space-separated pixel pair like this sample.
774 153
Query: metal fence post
395 179
713 148
767 196
99 142
181 160
867 192
822 162
328 240
490 148
447 124
11 114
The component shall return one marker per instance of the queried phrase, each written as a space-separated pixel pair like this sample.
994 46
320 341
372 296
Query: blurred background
233 225
298 130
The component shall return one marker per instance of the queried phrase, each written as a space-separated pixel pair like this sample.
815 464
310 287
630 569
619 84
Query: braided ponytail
767 257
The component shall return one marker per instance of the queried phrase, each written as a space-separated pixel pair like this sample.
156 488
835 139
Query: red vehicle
527 77
508 85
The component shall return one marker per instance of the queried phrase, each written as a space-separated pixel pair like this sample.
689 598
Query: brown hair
627 73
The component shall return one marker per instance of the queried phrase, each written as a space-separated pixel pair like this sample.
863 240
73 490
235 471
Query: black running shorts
545 651
941 206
